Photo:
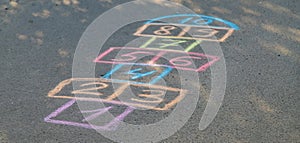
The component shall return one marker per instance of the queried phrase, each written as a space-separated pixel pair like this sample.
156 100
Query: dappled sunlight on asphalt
279 9
250 11
249 20
3 136
195 6
36 38
261 104
7 10
63 53
43 14
221 10
21 36
279 49
291 33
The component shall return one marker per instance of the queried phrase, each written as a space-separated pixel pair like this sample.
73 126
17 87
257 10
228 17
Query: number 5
131 56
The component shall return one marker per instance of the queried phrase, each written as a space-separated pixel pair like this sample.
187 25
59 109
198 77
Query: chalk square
86 88
179 60
139 101
186 30
138 73
115 55
94 114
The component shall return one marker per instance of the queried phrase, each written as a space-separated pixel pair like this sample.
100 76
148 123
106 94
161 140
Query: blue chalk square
138 73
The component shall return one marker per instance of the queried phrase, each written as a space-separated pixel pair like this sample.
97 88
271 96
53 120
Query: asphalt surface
38 40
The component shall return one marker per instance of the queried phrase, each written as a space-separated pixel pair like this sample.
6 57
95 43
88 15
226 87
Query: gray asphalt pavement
38 40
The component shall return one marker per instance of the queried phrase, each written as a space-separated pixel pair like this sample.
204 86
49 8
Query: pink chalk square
180 60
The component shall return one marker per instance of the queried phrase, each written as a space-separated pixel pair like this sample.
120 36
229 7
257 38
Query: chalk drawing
137 103
177 56
112 125
193 19
204 33
176 30
137 74
170 44
134 75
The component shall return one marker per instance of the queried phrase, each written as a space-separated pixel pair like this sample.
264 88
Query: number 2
92 90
